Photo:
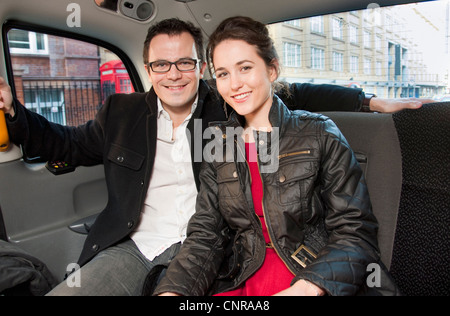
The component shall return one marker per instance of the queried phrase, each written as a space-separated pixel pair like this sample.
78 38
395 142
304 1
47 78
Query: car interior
63 58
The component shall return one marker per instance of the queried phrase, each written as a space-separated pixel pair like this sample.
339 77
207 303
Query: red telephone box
114 79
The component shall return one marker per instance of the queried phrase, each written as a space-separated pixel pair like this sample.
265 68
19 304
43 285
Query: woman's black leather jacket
316 207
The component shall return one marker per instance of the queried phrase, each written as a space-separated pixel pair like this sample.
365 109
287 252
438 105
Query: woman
303 228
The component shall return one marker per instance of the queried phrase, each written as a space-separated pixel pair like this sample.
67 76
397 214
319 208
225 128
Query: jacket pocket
228 181
230 266
125 157
294 181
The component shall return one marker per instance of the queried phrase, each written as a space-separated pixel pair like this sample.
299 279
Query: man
149 162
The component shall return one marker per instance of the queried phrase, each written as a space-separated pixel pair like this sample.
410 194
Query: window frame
292 54
354 64
338 28
33 49
317 25
338 61
317 58
353 34
16 24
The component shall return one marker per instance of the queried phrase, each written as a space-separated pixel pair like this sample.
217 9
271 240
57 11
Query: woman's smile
242 97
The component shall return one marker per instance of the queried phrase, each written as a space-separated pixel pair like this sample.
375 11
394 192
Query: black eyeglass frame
150 65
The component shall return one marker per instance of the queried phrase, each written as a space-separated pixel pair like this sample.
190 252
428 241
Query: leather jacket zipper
297 153
262 202
267 226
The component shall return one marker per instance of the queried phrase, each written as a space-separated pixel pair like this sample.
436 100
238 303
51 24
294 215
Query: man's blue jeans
120 270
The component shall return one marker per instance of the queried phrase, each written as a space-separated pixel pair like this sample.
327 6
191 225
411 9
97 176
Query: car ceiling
128 34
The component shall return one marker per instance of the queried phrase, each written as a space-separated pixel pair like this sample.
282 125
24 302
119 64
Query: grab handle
4 137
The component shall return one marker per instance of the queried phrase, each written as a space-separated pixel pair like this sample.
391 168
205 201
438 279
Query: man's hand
395 105
6 98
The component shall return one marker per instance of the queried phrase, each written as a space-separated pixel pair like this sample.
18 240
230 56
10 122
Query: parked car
64 59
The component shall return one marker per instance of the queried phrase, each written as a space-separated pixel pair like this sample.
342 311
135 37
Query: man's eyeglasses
183 65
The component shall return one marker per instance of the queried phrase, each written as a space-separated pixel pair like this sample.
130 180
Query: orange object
4 137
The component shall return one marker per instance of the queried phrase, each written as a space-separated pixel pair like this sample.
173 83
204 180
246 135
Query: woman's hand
302 288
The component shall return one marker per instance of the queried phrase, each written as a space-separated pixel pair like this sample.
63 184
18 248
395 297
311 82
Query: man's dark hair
174 27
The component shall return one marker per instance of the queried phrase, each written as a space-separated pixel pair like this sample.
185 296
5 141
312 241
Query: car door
47 208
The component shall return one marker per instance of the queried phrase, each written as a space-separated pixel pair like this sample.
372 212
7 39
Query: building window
296 23
338 28
25 42
367 39
317 25
379 68
292 55
46 101
354 64
367 66
354 34
317 58
338 62
378 42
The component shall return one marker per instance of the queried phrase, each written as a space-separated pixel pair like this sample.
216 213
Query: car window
394 52
66 80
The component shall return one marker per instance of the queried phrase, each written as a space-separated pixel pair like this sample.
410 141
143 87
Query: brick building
56 77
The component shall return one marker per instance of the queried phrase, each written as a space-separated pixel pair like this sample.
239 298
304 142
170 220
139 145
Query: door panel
66 80
38 209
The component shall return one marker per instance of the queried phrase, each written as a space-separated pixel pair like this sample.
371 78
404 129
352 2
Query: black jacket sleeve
320 98
351 226
79 146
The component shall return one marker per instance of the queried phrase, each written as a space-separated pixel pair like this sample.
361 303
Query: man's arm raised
6 99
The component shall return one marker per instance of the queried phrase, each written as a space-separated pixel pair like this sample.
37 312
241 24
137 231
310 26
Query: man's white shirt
172 193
